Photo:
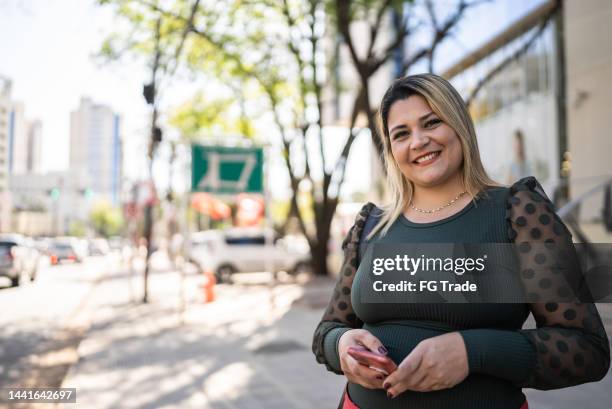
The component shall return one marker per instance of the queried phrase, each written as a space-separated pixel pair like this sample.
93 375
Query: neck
433 196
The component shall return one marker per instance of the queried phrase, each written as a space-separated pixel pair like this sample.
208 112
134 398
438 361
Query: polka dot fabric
570 340
340 313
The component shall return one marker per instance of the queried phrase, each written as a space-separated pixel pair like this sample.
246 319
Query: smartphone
375 361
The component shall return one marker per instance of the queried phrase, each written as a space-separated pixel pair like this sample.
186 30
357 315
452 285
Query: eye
432 122
399 135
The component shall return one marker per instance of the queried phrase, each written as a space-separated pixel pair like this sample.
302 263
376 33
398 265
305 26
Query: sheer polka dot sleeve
570 340
339 315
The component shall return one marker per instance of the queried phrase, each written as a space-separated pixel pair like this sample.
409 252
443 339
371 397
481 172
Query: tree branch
375 29
344 23
287 157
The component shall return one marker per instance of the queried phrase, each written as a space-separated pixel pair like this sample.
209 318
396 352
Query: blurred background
177 176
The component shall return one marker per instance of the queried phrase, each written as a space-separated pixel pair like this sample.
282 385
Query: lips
426 157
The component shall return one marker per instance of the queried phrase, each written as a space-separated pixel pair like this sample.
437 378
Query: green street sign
226 170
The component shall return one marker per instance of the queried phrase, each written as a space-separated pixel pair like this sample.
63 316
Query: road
43 321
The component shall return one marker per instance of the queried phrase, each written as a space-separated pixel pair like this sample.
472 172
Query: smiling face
427 150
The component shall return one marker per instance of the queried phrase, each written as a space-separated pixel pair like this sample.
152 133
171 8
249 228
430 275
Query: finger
372 343
406 374
366 372
412 362
407 368
348 363
365 376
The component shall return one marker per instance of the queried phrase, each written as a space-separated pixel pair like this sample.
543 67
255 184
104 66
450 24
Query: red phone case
375 361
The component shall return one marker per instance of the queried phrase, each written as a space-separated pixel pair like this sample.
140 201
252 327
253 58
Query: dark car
60 251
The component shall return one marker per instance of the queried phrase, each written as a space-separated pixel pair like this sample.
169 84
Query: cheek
397 152
456 154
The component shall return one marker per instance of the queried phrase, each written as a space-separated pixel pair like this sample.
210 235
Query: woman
519 167
455 355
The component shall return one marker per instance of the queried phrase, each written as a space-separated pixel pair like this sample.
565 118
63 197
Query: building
18 139
96 150
25 139
46 204
5 113
516 111
552 64
588 52
34 152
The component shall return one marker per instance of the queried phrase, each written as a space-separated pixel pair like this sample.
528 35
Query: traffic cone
209 286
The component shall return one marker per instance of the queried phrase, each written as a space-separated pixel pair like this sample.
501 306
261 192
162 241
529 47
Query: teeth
427 157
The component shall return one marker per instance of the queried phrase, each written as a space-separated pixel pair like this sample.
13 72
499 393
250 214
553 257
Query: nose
418 140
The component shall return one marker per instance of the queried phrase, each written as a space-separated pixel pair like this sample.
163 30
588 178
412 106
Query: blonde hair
445 102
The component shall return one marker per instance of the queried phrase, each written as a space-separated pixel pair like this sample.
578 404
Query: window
241 241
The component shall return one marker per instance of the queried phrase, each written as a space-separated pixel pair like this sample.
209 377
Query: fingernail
383 350
390 395
386 385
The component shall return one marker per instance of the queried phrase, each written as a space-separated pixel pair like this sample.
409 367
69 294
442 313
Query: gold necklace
439 208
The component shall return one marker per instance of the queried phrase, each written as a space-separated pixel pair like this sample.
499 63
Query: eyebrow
398 127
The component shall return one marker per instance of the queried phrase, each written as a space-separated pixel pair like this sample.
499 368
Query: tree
404 15
106 220
282 50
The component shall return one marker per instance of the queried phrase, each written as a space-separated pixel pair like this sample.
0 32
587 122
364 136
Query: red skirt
349 404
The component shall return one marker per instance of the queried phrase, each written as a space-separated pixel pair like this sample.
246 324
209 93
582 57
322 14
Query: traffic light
148 91
55 194
157 135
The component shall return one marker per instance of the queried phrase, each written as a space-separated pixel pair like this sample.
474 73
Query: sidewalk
249 348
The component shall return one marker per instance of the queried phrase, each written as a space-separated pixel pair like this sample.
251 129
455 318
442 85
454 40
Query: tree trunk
319 259
319 249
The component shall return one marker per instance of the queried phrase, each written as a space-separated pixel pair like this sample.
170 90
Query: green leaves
207 117
105 219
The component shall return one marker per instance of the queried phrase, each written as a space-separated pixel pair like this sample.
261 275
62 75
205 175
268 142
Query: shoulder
367 210
528 195
530 185
530 210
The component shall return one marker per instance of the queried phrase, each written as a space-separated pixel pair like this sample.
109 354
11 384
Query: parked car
64 250
247 250
117 243
18 258
98 247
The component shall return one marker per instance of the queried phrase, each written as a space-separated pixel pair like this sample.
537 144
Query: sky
47 48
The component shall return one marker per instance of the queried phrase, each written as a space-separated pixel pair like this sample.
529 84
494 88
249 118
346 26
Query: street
41 322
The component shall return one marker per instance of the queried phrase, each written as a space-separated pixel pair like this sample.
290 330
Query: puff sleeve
339 315
570 340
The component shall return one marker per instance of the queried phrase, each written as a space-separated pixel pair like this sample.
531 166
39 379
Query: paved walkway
248 349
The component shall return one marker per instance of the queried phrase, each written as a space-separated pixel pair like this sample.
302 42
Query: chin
430 180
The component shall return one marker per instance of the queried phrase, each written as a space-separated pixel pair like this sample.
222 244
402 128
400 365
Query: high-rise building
96 150
24 141
18 139
34 153
5 113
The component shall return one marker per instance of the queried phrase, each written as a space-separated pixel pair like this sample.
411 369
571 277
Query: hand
353 370
435 363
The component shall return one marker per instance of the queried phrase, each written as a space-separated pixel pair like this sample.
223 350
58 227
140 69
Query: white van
226 252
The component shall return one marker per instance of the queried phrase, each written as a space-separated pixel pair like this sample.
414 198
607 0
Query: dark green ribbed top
568 347
497 353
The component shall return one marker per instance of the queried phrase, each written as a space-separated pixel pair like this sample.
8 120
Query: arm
569 346
339 316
